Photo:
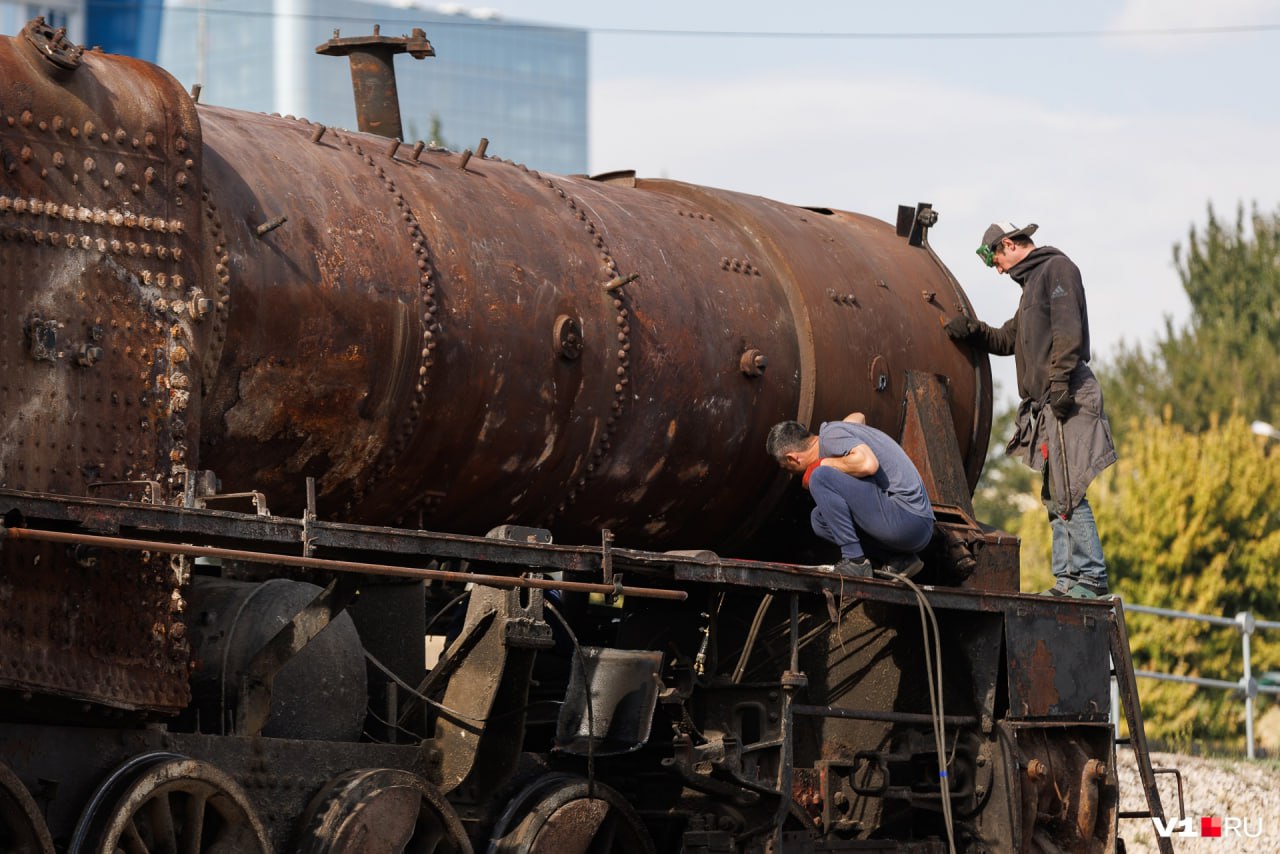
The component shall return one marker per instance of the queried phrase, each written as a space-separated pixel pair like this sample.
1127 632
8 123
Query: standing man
1061 429
867 490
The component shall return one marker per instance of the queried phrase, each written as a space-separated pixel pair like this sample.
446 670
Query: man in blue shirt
867 490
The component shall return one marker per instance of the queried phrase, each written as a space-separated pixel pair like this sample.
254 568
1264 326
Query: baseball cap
998 231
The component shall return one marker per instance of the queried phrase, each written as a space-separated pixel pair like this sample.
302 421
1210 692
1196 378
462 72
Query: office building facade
523 86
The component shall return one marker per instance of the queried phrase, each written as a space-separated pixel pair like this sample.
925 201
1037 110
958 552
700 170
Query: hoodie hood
1023 269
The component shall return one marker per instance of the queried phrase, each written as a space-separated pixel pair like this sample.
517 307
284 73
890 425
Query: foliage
1227 358
435 136
1190 521
1007 487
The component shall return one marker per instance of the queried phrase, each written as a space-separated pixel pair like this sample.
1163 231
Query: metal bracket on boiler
915 224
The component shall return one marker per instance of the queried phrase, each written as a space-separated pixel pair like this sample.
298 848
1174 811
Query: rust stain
313 408
1042 694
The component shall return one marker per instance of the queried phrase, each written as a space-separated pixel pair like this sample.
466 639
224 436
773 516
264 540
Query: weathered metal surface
1068 784
929 437
490 665
100 315
413 317
244 683
623 689
61 634
103 297
1057 664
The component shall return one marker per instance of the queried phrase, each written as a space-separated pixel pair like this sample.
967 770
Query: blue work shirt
897 475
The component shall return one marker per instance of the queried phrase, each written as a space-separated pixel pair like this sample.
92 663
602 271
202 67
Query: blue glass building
521 85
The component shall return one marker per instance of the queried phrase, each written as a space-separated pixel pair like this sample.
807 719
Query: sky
1114 142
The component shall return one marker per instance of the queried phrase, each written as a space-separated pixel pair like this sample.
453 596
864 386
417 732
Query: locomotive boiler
281 402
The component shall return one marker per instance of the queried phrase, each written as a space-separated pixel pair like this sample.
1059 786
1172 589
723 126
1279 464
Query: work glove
961 326
1061 400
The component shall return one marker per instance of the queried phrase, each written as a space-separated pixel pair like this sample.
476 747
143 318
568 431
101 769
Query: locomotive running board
1122 666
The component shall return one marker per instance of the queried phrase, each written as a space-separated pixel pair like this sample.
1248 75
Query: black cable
657 32
435 704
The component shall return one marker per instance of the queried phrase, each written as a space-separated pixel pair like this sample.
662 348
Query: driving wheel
565 814
381 811
22 827
167 803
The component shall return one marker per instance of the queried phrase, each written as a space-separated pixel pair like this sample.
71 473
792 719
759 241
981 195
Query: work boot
853 567
1087 590
906 565
1062 586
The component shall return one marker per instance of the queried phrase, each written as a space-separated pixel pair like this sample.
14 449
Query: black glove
1061 400
961 326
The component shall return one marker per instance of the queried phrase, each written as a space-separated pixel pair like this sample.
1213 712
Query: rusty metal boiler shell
461 347
99 205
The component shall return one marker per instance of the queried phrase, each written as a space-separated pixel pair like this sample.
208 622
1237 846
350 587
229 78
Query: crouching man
869 497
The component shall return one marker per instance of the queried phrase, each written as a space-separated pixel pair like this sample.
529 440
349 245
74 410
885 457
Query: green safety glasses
987 254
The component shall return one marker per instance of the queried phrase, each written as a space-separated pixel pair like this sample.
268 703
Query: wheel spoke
22 827
132 840
163 834
193 826
177 805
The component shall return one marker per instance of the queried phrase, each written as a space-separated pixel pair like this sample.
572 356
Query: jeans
1077 551
853 508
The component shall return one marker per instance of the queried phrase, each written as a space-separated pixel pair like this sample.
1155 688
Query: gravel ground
1211 787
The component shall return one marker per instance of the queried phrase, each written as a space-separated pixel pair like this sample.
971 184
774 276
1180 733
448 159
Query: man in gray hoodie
1061 429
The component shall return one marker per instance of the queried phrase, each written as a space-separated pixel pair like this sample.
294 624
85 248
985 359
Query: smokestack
373 75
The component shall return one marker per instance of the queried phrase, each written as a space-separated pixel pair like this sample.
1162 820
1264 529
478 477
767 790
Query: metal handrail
1246 624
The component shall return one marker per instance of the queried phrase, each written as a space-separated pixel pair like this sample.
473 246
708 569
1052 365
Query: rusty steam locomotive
281 402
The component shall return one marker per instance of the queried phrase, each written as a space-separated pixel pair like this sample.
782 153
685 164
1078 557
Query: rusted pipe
339 565
373 75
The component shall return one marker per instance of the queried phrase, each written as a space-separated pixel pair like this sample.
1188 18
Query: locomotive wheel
556 814
381 811
170 804
22 828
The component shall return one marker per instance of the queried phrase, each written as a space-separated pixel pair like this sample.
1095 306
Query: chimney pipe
373 75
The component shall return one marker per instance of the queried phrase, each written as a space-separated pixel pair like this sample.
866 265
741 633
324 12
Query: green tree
1226 359
435 137
1007 487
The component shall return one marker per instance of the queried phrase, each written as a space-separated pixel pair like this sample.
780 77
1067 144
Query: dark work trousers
853 509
